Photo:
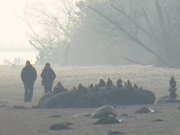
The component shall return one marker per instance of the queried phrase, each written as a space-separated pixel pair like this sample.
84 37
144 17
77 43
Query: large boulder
43 100
97 98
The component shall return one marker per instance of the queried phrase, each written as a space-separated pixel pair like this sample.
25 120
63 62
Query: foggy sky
13 30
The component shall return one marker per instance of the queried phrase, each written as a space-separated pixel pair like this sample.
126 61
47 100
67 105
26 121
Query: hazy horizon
91 32
14 42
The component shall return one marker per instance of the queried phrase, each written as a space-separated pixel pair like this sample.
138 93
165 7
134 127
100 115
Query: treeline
108 32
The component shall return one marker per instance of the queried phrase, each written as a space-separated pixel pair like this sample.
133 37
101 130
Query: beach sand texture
38 121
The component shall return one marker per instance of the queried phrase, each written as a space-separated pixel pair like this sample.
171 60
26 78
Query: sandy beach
38 121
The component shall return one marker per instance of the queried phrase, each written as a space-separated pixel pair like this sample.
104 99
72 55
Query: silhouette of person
48 76
28 76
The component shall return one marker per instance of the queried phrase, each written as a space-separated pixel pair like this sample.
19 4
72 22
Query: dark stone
158 120
107 120
61 126
110 132
99 97
145 110
19 107
125 114
55 116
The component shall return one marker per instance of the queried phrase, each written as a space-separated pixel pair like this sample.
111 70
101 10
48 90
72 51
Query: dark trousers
28 94
48 87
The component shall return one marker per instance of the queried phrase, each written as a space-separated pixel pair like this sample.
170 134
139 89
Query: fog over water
22 56
14 39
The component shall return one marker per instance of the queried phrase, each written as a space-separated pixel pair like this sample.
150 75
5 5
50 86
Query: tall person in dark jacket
48 76
28 76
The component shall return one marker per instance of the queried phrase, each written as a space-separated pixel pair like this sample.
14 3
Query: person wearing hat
28 76
48 77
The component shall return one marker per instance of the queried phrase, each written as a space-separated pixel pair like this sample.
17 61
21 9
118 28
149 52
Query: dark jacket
48 75
28 74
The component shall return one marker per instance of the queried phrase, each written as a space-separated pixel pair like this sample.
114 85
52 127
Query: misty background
91 32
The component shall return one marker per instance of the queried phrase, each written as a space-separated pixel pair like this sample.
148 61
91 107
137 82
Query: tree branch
128 35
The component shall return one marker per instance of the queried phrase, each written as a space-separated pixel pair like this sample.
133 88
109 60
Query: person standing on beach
28 76
48 77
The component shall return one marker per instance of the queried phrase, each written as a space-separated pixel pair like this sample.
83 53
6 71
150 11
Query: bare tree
53 35
152 25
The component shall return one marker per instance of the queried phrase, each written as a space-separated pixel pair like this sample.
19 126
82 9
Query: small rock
4 105
124 114
55 116
145 110
110 132
108 120
158 120
20 107
61 126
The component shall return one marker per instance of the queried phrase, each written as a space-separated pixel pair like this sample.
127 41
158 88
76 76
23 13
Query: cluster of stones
172 88
97 95
171 98
108 85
